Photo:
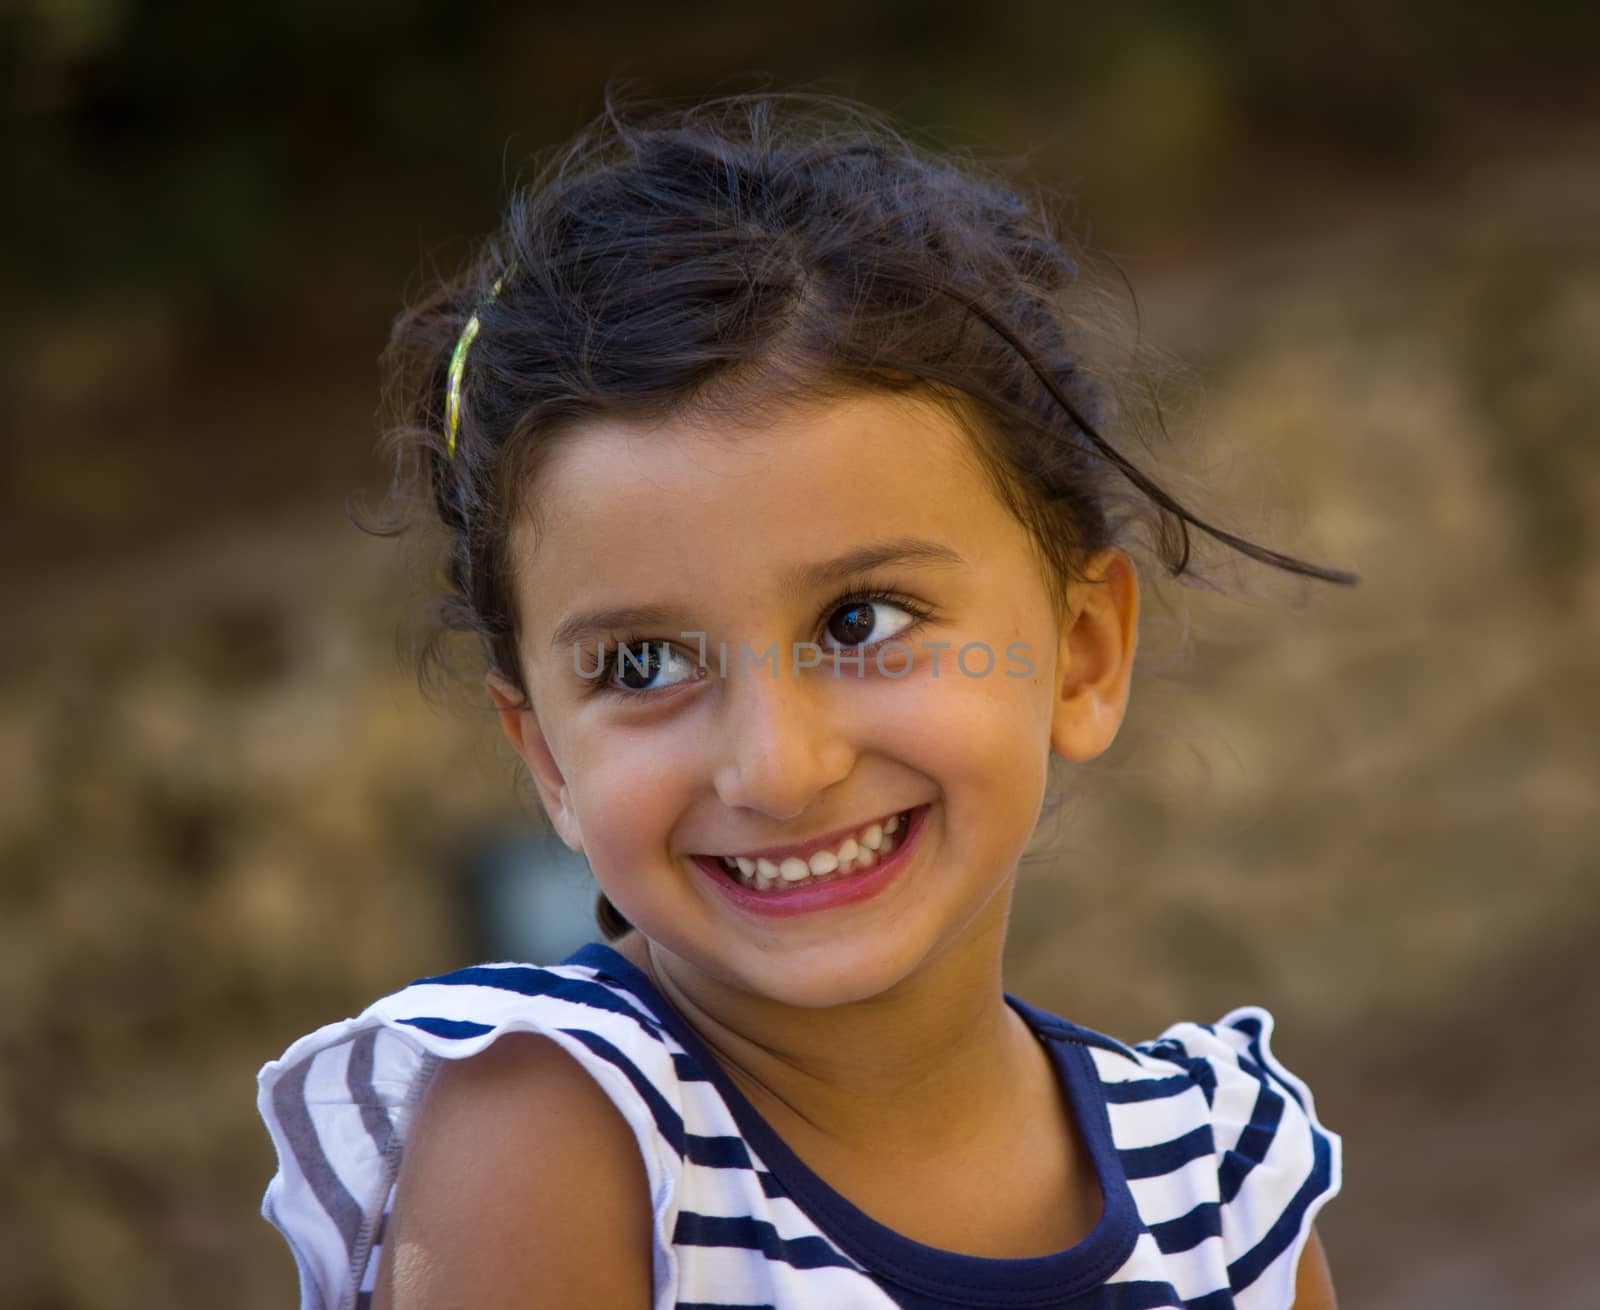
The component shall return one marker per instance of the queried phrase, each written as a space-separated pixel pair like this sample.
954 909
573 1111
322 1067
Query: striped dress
1211 1160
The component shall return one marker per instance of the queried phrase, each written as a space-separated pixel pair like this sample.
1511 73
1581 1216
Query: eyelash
857 595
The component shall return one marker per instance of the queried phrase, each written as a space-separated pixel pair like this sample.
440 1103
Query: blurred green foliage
254 161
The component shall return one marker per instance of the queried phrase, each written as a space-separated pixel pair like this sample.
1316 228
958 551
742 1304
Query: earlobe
521 727
1094 666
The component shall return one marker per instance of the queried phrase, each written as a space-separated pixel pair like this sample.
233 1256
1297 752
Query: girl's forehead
677 506
871 447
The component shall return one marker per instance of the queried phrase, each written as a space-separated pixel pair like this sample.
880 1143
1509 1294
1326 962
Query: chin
818 979
824 993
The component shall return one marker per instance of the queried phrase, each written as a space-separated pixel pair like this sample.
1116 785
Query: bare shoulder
1313 1285
521 1186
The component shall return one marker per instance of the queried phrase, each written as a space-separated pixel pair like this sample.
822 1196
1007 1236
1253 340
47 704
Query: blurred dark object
530 899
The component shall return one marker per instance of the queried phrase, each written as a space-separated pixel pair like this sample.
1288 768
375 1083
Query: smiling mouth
854 854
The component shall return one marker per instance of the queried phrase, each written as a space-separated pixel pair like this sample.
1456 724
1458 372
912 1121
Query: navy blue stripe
718 1152
1247 1268
1138 1295
1200 1070
1254 1142
770 1185
1054 1026
687 1069
455 1029
1133 1295
1166 1157
750 1234
1252 1027
1260 1070
1165 1048
668 1120
529 980
1204 1074
1147 1089
723 1305
1187 1231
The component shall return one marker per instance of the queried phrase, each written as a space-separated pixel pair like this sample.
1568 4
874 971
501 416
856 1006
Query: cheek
984 741
628 800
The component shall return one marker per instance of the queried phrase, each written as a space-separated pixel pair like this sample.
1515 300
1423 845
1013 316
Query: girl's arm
1313 1286
521 1187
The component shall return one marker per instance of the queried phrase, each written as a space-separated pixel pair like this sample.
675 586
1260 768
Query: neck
909 1066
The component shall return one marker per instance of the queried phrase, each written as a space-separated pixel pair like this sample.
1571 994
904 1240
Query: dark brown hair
726 259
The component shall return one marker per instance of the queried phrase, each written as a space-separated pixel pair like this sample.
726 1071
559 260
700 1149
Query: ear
1094 664
522 730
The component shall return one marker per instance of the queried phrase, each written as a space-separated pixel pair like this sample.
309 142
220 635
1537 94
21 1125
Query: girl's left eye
854 620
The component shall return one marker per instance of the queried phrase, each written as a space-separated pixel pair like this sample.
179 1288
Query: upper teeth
860 851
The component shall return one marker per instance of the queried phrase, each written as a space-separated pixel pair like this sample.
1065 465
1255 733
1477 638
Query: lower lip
824 895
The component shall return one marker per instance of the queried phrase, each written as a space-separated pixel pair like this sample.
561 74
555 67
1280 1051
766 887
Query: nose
781 742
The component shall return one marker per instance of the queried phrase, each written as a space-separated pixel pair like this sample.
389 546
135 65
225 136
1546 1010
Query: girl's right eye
630 668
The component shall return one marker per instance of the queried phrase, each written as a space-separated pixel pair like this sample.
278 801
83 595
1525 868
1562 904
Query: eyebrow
803 577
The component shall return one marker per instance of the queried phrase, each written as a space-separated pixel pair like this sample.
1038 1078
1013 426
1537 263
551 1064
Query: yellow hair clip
458 366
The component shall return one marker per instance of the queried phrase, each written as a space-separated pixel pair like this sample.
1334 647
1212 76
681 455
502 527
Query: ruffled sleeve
1277 1165
339 1102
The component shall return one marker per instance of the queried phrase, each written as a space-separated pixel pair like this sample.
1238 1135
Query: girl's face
664 757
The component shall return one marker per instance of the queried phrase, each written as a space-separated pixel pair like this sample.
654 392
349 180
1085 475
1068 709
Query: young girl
775 488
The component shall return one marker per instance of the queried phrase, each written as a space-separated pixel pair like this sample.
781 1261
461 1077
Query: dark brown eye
640 667
641 661
868 618
852 624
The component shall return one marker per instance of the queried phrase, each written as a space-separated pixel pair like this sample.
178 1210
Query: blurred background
227 816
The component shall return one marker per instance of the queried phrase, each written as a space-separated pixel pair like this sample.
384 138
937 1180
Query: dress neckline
935 1276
